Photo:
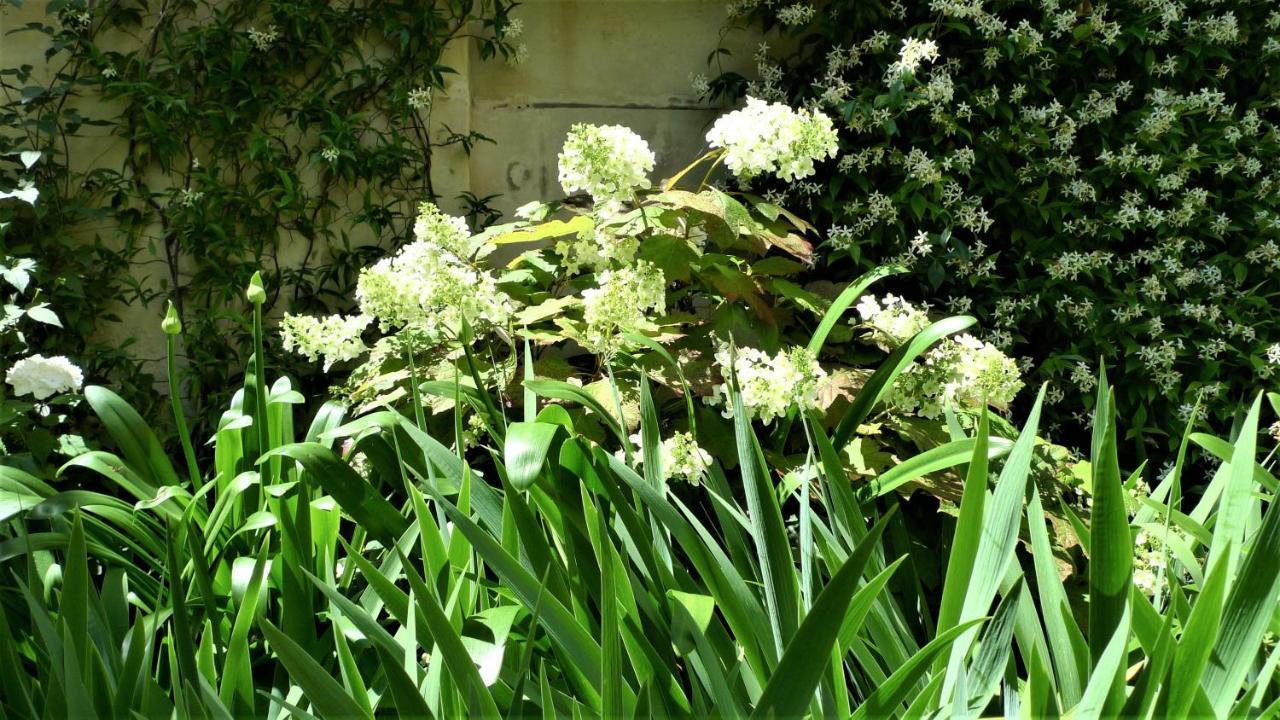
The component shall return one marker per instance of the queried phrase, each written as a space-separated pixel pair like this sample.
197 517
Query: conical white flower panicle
432 285
770 385
609 162
334 338
772 139
621 303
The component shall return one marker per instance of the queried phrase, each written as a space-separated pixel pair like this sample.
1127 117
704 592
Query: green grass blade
74 599
525 451
1250 605
322 691
236 690
773 550
791 688
530 397
1233 506
744 614
408 699
1111 562
354 494
1107 679
613 697
888 696
932 460
449 643
964 543
581 649
141 449
1067 647
559 390
993 655
1001 522
1198 639
882 379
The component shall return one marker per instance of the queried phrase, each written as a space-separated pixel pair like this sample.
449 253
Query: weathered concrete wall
597 61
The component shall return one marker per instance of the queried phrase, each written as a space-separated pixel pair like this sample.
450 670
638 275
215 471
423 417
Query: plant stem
418 416
179 417
622 418
702 185
260 379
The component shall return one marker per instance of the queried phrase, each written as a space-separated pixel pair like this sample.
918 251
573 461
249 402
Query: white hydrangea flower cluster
446 231
597 248
960 372
1150 560
892 320
770 384
772 139
620 303
43 377
609 162
334 338
982 371
430 286
681 456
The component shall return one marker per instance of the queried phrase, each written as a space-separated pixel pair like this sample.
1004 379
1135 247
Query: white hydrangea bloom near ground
680 455
770 384
982 371
962 372
335 338
42 377
620 303
684 459
609 162
772 139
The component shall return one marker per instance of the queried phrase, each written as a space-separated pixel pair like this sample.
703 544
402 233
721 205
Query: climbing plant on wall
1092 180
228 135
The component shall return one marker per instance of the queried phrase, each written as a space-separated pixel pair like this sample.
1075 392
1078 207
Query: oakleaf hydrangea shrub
688 285
1092 181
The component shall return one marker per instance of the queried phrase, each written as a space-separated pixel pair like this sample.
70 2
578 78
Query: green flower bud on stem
172 324
256 293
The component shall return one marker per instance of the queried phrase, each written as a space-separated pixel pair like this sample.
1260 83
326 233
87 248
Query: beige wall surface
597 61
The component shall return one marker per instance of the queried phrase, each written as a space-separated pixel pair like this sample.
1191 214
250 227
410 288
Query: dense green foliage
291 137
362 565
1089 180
625 457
